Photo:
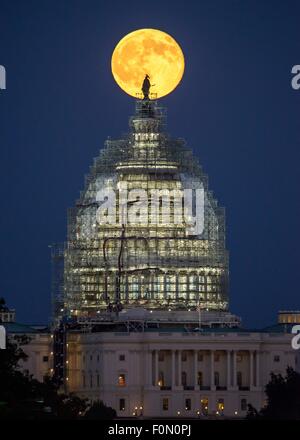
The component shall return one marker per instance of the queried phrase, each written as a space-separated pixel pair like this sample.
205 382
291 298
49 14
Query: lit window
121 380
220 405
161 379
204 405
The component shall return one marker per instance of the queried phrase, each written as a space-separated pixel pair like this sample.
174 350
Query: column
251 369
179 368
165 286
156 368
177 287
228 370
149 365
195 369
234 369
173 369
212 370
187 286
257 368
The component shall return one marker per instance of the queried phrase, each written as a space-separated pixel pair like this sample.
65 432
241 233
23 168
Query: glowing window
220 405
122 380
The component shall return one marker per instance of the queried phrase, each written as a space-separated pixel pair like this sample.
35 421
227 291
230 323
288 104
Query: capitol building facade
141 315
176 373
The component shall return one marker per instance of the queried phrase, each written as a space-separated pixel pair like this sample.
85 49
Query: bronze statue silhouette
146 87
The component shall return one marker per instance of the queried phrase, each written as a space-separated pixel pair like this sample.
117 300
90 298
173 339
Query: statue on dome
146 87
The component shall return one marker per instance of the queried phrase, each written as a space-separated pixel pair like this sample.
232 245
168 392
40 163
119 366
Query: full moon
147 52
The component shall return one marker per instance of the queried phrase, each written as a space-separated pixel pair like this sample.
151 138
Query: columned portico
228 360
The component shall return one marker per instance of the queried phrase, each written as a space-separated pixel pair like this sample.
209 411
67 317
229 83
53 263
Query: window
161 356
217 379
122 380
184 356
200 356
45 358
200 378
239 358
239 378
204 405
188 404
244 404
183 378
83 380
220 405
277 358
98 357
217 357
165 404
91 381
122 404
122 357
98 380
161 379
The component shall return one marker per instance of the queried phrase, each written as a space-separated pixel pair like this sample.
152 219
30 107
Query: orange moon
151 52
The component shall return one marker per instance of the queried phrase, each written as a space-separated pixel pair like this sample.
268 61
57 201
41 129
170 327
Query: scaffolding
162 265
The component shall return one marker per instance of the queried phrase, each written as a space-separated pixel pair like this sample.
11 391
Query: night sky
235 107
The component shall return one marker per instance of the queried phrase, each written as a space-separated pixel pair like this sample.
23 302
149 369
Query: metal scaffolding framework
155 265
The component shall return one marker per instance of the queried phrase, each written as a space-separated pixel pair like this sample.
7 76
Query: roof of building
277 328
15 327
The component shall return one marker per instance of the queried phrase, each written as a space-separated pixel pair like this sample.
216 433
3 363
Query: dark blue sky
235 107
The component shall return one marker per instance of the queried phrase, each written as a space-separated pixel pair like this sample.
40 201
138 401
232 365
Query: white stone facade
176 374
40 354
